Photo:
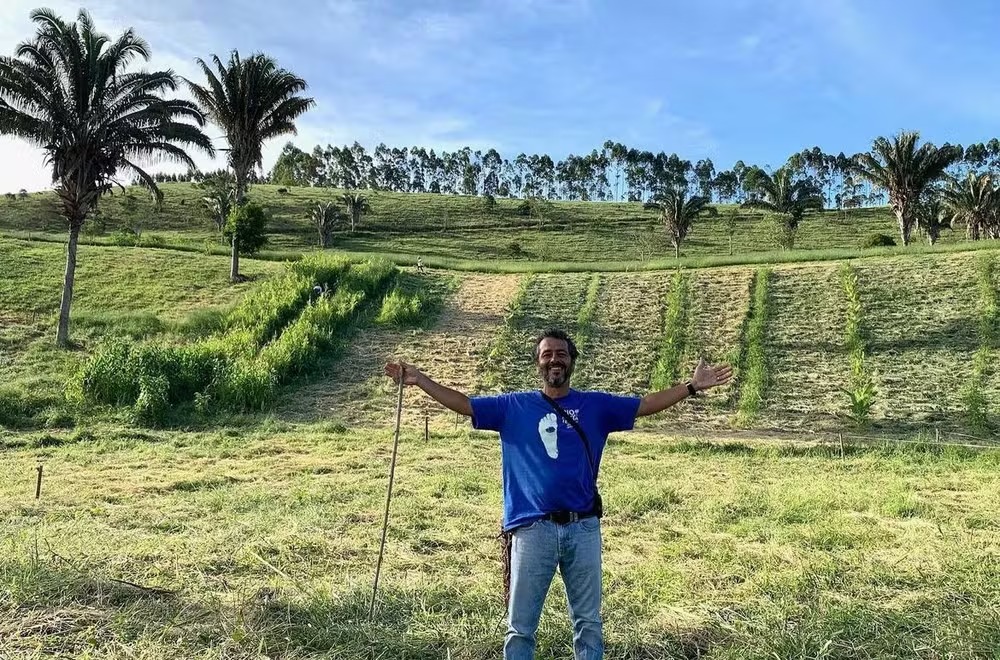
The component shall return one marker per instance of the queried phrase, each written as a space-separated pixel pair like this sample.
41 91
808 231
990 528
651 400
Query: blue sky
737 79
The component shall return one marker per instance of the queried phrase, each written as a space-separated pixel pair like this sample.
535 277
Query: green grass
120 292
989 341
754 371
862 392
454 229
263 542
667 370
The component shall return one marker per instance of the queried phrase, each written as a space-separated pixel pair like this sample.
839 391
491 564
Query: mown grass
262 543
452 229
560 263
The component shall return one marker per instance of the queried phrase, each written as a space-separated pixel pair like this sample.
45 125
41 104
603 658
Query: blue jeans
536 552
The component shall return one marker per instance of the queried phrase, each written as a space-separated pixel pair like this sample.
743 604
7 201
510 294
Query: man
551 446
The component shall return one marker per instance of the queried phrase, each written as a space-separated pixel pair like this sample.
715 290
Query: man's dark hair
555 333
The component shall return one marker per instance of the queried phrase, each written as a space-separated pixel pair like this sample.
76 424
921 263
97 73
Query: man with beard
551 444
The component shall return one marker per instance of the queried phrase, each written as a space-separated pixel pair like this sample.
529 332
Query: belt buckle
573 516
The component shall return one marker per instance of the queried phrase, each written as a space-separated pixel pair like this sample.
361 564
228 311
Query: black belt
566 517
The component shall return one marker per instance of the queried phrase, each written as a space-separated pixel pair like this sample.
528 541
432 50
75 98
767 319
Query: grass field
460 228
254 535
262 544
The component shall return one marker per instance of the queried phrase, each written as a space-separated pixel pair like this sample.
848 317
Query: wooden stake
388 495
38 483
427 427
841 444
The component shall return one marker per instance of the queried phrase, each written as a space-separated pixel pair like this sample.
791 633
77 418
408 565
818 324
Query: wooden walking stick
388 495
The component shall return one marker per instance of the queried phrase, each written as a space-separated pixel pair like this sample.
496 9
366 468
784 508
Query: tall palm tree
678 212
975 202
252 101
325 216
357 205
785 194
904 170
70 91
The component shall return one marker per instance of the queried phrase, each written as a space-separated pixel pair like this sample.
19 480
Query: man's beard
559 379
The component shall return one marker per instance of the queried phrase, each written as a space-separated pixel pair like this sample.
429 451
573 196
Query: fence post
427 428
38 483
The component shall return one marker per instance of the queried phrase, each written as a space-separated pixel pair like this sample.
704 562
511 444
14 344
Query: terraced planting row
922 338
920 322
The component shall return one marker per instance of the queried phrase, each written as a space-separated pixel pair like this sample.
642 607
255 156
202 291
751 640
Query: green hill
459 227
230 534
923 317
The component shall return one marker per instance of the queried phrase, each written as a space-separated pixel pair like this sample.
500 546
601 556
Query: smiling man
552 442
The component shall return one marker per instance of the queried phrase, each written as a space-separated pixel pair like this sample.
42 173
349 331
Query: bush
400 309
248 223
877 240
125 237
23 408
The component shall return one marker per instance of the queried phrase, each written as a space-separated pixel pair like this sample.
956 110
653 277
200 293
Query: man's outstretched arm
447 397
705 377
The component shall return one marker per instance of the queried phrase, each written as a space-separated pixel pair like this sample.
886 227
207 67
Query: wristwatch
691 390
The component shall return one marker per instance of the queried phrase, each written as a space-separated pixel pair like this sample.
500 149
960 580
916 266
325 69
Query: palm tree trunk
677 250
234 267
62 334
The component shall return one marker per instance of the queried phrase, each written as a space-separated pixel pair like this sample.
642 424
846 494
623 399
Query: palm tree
974 202
932 215
785 194
678 212
904 170
325 216
357 205
70 92
252 101
221 193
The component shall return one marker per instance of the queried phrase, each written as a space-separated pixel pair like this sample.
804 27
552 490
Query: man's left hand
707 376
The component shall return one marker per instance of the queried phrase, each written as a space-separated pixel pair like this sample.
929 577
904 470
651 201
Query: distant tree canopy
614 172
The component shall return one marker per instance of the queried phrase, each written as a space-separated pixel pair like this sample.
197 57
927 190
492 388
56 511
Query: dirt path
355 391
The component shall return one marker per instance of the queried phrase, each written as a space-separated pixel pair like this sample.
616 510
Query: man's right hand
411 375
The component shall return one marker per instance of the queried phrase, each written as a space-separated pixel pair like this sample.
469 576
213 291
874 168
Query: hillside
237 534
459 227
923 318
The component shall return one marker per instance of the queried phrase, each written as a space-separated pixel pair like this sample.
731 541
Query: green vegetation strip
666 371
755 372
585 327
502 266
503 342
270 338
861 392
989 341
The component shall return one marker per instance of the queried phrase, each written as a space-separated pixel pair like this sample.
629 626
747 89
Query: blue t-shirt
543 458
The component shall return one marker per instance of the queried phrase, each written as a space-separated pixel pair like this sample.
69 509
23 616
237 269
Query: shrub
400 309
877 240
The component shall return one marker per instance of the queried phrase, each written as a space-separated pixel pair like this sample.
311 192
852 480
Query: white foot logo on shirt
547 431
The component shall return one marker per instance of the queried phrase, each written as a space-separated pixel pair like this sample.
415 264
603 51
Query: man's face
554 363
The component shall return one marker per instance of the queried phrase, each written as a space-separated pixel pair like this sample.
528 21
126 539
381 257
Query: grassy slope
265 542
922 316
265 535
117 290
458 227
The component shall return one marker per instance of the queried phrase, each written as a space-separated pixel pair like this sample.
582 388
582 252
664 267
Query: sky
754 80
